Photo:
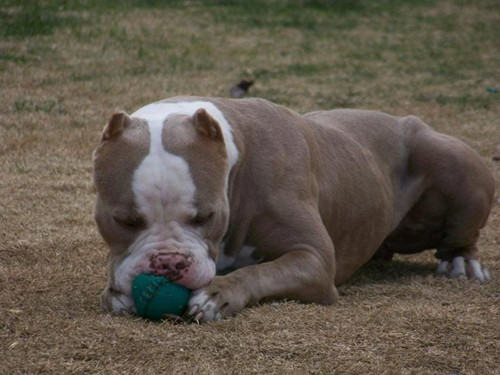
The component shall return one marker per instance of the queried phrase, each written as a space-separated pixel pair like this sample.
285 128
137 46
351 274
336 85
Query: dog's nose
171 264
182 264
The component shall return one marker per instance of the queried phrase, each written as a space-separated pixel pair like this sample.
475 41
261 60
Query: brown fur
319 194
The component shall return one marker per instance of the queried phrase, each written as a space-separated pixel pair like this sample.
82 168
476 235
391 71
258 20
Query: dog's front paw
216 301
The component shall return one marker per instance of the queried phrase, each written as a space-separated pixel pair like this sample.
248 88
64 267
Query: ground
66 66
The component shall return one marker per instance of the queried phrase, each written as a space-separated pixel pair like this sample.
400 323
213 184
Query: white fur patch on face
163 184
159 111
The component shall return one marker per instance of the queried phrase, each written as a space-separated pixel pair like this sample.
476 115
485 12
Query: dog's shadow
380 271
377 271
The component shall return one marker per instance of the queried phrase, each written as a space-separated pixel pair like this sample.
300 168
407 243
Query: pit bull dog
292 204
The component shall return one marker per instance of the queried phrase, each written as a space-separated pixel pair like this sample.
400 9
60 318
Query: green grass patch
18 59
33 18
462 101
45 16
49 105
295 69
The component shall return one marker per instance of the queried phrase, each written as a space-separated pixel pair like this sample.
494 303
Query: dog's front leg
299 274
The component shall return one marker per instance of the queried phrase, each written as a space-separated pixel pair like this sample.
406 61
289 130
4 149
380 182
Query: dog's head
161 178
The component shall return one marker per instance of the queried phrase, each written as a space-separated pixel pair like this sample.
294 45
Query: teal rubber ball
155 297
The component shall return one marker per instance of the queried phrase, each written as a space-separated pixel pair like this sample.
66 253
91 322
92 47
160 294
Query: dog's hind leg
458 249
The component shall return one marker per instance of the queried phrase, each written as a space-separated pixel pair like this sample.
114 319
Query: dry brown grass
57 91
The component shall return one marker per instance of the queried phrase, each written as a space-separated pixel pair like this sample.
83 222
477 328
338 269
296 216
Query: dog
242 200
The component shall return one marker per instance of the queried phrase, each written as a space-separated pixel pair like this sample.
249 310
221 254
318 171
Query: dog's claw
192 310
199 316
460 268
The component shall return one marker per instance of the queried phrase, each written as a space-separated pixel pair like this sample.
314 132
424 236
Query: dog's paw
215 302
460 267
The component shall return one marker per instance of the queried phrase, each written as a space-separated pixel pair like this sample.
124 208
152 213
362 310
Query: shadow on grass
377 271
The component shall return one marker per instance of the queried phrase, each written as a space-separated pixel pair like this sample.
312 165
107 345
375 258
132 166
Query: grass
65 66
49 105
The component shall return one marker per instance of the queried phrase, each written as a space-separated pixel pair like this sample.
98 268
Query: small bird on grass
496 156
241 89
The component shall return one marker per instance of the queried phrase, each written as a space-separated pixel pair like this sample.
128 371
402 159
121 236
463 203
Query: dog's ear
116 125
207 125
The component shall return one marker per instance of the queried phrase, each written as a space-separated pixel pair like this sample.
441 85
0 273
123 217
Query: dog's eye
202 219
129 222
